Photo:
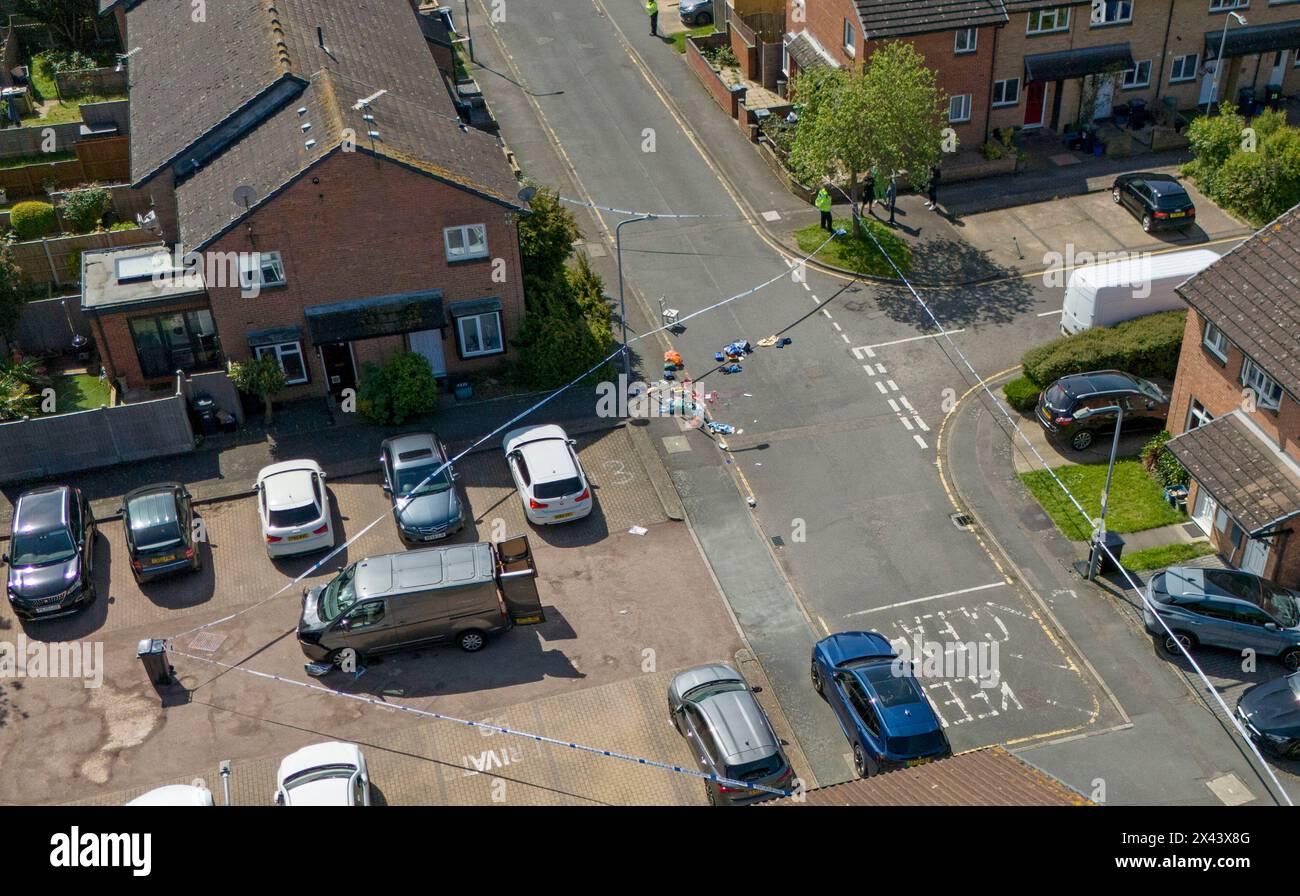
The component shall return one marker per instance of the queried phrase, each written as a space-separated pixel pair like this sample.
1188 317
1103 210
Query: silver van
450 594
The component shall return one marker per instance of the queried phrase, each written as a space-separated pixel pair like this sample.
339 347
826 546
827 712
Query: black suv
159 531
1159 201
1145 406
51 553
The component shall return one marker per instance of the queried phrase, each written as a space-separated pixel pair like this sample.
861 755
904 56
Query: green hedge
1146 346
32 220
1022 394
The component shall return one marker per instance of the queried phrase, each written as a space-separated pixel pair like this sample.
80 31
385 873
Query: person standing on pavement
870 187
652 10
934 188
823 202
891 197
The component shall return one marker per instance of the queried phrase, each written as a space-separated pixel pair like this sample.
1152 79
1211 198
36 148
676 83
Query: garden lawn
65 111
858 254
79 392
1164 555
1136 501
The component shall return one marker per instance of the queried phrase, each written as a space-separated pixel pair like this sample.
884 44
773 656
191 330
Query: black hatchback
159 523
1159 201
51 553
1063 406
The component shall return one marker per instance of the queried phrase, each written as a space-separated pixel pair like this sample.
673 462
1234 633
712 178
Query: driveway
623 613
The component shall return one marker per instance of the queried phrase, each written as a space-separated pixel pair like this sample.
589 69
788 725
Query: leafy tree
891 115
72 22
1213 139
402 388
84 209
13 290
260 376
546 238
18 397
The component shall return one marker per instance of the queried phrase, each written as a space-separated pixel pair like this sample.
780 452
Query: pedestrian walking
652 10
891 197
870 187
823 203
934 188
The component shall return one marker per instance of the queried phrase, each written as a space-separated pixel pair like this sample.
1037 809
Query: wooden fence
103 160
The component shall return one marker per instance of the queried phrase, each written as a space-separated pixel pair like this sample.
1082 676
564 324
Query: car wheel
713 797
703 18
1081 440
816 676
471 640
1114 195
862 764
1291 659
1170 643
1146 223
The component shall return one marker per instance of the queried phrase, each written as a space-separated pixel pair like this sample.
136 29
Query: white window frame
1215 342
475 318
958 47
1197 415
1014 100
1192 69
1105 5
260 263
280 349
1268 392
1228 5
850 38
464 231
965 101
1058 23
1137 67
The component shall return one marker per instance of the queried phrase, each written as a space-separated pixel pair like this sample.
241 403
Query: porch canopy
1251 39
1254 482
1066 64
375 316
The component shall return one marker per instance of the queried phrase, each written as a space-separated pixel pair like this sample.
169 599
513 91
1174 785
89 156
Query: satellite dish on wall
244 196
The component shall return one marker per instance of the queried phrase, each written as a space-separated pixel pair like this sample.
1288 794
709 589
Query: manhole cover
207 641
778 541
962 520
676 444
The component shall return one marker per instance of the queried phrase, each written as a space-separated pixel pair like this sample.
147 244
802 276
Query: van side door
367 627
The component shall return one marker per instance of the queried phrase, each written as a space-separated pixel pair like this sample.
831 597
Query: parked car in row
294 507
1271 713
729 734
547 474
422 486
51 554
1071 410
885 715
1226 608
1159 201
695 13
159 524
329 774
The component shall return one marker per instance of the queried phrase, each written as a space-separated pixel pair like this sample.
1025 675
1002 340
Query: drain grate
962 520
778 541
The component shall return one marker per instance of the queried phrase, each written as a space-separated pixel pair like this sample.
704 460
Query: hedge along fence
105 159
48 262
1146 346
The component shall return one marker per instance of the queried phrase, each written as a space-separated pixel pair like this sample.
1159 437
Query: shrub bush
1021 394
1146 346
32 220
1242 185
402 388
84 209
1212 140
1160 462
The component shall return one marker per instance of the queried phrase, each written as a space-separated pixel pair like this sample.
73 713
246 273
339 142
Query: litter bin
1137 115
204 409
1246 101
1115 545
152 653
1273 96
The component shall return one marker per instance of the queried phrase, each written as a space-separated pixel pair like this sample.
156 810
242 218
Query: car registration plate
1178 214
562 516
915 762
50 609
296 537
159 561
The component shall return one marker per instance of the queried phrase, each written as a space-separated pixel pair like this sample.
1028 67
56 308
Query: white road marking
893 405
921 600
827 313
867 368
871 354
838 328
1050 313
907 424
920 423
845 337
880 368
862 350
806 286
881 387
920 441
907 404
893 386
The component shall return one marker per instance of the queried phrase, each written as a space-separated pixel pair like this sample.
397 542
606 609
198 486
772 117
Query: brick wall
708 77
357 227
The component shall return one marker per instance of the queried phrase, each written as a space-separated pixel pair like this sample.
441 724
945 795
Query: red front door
1034 92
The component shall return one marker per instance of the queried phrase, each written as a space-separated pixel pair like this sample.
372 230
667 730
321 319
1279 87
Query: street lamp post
622 305
1218 63
1099 537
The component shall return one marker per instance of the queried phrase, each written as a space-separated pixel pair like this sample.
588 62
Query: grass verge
1164 555
1136 501
858 254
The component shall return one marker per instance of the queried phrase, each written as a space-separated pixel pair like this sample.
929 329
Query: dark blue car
880 704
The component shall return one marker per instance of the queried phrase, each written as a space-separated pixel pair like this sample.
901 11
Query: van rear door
517 578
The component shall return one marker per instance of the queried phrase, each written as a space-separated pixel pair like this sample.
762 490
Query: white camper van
1106 293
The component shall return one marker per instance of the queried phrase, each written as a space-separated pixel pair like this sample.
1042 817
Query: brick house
1235 408
956 37
309 158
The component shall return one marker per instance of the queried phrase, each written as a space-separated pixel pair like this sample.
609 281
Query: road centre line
920 600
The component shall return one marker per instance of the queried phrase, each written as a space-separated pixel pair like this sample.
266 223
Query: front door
1204 510
1208 89
428 344
1105 97
340 371
1279 67
1034 107
1255 557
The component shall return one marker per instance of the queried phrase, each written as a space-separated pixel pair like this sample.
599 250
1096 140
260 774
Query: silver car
1224 608
716 711
425 506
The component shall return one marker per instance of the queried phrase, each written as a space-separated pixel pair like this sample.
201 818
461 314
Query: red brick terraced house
1235 409
310 154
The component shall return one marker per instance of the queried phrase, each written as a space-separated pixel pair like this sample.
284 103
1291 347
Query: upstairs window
465 242
1045 21
965 40
260 269
1111 12
1268 394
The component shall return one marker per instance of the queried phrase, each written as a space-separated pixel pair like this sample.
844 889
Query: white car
331 774
175 795
547 473
295 508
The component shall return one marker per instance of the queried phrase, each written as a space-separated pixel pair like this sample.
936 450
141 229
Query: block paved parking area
623 613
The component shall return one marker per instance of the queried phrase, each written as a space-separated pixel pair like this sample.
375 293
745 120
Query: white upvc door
1203 511
429 344
1255 557
1207 84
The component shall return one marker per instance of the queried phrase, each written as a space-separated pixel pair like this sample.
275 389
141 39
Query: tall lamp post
622 305
1218 63
1099 537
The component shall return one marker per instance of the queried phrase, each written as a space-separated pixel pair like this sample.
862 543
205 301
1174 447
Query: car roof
317 755
461 564
152 488
848 646
1195 582
289 484
739 727
516 438
396 446
1099 381
42 508
546 450
151 508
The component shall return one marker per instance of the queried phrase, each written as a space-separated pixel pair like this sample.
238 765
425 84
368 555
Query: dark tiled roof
377 316
1027 5
276 152
807 53
1253 39
1252 294
189 77
896 18
1066 64
988 777
1249 478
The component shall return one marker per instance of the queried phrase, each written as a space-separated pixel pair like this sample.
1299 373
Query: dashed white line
907 424
837 327
893 386
893 405
827 313
881 387
907 404
845 337
880 368
1050 313
862 350
920 441
920 423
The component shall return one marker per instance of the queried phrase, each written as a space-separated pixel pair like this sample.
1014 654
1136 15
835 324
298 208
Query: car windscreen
154 522
557 488
291 517
339 595
759 769
1280 603
1172 201
1149 389
411 480
916 744
892 690
40 548
712 689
